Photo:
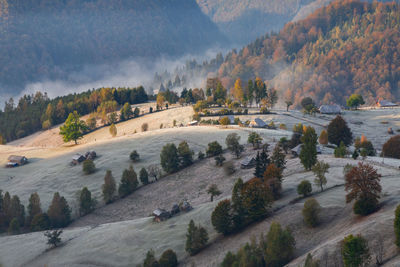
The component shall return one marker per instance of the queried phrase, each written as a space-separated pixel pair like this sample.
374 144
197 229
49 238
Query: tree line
38 111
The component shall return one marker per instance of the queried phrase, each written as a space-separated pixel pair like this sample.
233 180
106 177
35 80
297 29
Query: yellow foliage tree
238 93
323 137
113 130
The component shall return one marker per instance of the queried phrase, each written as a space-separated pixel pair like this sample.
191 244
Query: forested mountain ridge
243 21
349 46
47 39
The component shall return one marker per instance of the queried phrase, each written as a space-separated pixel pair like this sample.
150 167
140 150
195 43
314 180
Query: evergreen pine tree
221 218
278 158
33 207
259 169
17 210
86 203
308 153
239 212
108 187
128 183
59 212
144 176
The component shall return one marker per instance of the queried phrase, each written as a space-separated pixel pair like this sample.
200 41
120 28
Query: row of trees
34 112
14 218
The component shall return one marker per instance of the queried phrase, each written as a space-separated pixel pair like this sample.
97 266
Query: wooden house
248 163
15 161
258 123
161 215
330 109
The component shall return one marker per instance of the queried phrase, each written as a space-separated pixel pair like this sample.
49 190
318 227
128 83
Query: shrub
88 167
355 251
40 222
200 155
169 158
397 226
229 168
338 132
144 176
355 154
365 146
224 121
213 149
221 218
392 147
128 183
311 212
53 237
196 238
108 187
168 259
282 126
134 156
219 160
264 110
340 151
280 246
150 260
365 206
304 188
145 127
113 130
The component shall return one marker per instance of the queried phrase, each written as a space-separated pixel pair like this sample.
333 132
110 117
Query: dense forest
34 112
45 39
349 46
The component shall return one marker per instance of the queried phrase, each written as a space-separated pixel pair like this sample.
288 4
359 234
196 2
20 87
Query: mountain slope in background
244 21
47 39
349 46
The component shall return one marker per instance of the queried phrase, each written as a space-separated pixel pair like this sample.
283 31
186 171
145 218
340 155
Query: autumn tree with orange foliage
323 138
273 178
257 198
363 185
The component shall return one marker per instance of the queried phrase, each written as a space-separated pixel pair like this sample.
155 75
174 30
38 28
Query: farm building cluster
78 158
162 214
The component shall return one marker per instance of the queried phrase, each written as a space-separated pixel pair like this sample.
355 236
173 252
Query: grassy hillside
47 39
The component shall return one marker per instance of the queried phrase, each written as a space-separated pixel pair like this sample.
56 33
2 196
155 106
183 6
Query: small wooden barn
15 161
78 158
248 163
230 117
385 104
161 215
258 123
330 109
